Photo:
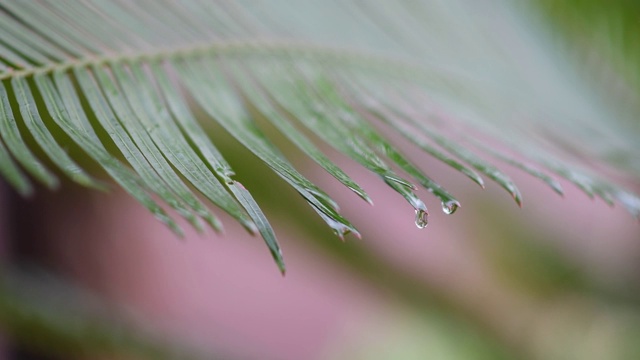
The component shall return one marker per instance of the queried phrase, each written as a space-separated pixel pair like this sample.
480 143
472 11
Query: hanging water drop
422 219
450 207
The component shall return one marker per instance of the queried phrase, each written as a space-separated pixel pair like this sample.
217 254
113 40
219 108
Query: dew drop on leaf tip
422 219
450 207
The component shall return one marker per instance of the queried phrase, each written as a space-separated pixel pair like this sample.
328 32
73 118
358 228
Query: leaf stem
377 63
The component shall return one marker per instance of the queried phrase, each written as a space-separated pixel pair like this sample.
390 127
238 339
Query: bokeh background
557 279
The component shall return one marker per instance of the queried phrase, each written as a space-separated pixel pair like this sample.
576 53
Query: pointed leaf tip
518 198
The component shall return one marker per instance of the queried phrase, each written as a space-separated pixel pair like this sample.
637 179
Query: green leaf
258 99
43 137
65 109
432 72
107 119
228 111
12 137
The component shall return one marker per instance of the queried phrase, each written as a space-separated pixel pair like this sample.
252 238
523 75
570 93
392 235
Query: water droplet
450 207
422 219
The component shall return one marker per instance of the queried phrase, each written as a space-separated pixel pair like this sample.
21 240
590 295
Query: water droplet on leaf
422 219
450 207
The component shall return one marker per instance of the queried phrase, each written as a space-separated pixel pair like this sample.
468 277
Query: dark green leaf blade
43 136
216 97
65 109
11 135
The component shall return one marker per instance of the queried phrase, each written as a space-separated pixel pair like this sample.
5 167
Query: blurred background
557 279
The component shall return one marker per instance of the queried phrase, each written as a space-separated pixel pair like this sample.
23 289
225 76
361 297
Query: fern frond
342 71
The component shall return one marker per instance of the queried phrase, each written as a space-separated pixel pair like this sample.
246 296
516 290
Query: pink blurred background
225 293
